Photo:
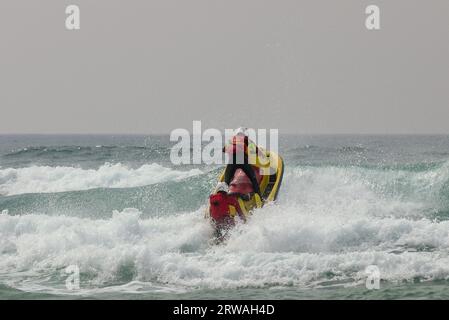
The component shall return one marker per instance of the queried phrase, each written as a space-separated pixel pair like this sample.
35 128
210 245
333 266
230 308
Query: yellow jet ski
239 200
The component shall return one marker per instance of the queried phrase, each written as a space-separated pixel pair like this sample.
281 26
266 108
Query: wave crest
45 179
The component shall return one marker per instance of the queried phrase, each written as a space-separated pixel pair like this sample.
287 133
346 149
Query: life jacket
224 207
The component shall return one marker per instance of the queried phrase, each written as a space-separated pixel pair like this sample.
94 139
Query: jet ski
238 202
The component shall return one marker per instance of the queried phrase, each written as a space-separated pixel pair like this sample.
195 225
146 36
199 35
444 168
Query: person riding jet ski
251 179
241 151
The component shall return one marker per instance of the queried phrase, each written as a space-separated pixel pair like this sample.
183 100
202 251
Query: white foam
329 224
279 246
40 179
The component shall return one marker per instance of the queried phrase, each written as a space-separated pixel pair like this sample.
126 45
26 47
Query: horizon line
168 133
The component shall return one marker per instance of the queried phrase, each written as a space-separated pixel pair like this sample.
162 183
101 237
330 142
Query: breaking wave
45 179
328 225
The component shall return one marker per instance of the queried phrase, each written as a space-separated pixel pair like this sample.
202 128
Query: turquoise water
133 224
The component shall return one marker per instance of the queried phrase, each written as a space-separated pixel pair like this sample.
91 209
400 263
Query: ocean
132 223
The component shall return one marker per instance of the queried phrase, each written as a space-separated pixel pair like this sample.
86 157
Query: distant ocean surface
133 223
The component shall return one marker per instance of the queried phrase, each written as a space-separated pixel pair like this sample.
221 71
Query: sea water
132 222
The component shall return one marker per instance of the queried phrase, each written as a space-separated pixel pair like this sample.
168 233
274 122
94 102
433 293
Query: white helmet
222 187
241 131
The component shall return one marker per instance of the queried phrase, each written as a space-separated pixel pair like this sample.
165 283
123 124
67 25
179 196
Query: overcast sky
154 65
